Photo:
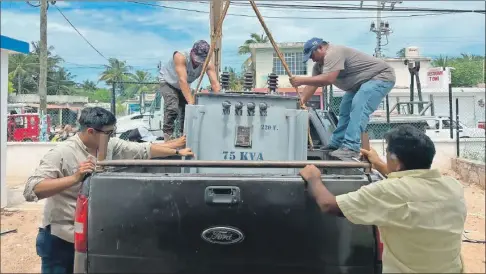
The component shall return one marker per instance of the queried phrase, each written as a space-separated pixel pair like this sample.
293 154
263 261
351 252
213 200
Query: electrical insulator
225 80
272 82
248 84
387 25
382 24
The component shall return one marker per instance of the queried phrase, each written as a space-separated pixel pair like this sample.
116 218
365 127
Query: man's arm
307 94
130 150
213 78
181 70
48 179
372 204
320 80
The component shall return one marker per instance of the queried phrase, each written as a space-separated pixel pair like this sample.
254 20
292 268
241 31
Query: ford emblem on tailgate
222 235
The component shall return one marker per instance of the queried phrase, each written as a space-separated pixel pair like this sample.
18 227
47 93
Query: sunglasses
107 132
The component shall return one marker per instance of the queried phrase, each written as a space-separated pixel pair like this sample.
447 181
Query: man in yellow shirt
419 212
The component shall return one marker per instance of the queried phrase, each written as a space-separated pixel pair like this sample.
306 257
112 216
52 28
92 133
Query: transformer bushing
272 82
248 84
225 80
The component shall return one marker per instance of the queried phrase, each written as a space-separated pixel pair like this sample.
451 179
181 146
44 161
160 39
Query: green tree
468 69
21 68
235 80
141 78
88 86
60 82
245 48
401 53
115 71
11 88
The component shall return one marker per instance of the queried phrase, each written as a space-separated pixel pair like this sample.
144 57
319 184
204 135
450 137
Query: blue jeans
354 113
57 255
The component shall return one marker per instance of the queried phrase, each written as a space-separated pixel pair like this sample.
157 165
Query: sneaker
345 154
329 147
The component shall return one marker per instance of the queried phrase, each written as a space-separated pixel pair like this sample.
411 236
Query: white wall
264 66
3 124
403 75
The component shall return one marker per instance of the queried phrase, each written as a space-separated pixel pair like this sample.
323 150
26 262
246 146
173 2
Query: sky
143 34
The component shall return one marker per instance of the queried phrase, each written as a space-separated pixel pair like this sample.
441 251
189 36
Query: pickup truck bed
156 223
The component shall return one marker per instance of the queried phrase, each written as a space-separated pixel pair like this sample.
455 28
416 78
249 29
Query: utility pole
381 28
43 72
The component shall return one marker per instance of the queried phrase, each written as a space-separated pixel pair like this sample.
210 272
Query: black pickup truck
154 219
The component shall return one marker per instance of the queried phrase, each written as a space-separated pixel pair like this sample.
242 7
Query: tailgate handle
222 195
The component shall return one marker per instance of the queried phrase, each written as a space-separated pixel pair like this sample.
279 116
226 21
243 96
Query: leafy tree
142 78
115 71
21 68
88 86
468 69
245 48
60 82
236 79
401 53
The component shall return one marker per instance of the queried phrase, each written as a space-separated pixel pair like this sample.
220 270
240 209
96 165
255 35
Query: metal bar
432 109
217 33
450 112
457 128
387 110
234 164
284 64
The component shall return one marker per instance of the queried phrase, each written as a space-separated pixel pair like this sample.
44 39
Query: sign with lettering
438 78
243 155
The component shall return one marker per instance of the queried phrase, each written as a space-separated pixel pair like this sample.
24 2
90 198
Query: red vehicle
482 125
25 127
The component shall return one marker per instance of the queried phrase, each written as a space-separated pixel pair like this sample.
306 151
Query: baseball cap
310 46
200 51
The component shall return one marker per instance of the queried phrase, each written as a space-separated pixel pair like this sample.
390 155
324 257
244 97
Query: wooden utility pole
43 71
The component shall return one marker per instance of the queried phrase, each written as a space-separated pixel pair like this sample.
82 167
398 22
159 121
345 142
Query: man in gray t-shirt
365 79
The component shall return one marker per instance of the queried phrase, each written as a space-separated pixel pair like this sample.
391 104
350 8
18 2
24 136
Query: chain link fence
430 115
471 143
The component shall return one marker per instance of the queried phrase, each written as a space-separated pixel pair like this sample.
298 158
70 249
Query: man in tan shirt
419 212
59 177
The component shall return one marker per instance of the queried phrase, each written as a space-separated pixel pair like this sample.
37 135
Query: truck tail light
379 244
81 224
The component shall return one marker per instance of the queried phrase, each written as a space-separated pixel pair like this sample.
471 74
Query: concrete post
3 125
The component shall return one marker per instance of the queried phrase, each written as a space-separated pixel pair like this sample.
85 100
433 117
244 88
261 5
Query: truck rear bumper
80 262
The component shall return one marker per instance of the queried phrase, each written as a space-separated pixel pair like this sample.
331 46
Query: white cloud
140 37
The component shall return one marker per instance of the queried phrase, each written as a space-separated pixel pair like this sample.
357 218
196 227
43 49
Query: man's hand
85 167
372 156
311 174
296 81
179 142
186 152
190 101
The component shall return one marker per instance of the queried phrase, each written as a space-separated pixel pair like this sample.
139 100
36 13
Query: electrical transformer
247 127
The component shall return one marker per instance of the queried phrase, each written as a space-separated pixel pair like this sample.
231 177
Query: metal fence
438 116
470 139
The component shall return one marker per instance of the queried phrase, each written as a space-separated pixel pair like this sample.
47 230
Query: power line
364 8
291 17
101 54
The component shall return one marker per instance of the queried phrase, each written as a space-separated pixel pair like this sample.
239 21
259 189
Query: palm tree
88 86
245 48
115 71
440 61
142 78
401 53
59 82
21 69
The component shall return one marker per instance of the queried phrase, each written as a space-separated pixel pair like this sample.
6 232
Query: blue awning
13 45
